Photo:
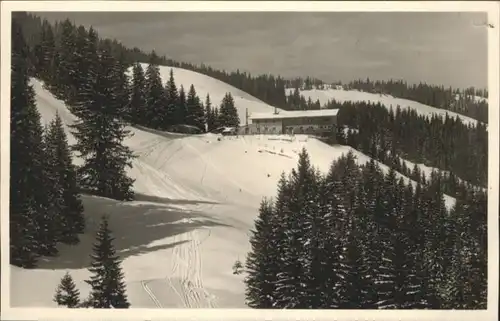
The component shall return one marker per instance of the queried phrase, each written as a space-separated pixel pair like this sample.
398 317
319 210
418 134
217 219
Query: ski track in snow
187 267
151 294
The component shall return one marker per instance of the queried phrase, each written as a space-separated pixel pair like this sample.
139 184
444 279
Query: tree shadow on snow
164 200
134 226
165 134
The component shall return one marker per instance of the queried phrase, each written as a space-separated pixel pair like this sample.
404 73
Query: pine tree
277 237
209 114
414 289
138 96
67 69
66 293
81 58
50 218
350 270
371 190
26 166
465 276
216 118
100 134
261 263
292 284
85 82
62 173
155 96
123 86
352 286
108 287
333 224
181 111
434 224
171 108
45 54
390 262
195 115
228 114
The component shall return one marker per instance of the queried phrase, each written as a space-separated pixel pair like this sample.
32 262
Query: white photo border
490 7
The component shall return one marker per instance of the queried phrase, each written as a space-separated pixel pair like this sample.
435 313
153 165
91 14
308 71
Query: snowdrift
341 95
197 198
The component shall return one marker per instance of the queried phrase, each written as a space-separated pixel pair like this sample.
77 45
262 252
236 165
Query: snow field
386 100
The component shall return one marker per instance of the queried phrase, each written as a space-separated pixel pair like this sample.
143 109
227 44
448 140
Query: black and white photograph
280 160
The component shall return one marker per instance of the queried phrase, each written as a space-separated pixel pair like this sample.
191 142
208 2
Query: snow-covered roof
296 114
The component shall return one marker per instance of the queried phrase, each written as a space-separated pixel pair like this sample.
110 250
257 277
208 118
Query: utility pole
246 122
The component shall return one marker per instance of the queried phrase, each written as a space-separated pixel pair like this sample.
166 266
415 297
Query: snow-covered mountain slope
217 89
476 99
197 198
353 95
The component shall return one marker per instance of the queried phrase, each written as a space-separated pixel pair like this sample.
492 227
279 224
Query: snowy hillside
475 98
217 89
197 198
353 95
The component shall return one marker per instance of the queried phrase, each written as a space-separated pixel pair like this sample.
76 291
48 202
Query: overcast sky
439 48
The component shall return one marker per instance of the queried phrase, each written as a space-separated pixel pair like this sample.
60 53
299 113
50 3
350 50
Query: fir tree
209 114
26 166
292 284
85 82
433 222
108 287
216 118
81 60
66 293
45 54
390 261
352 286
332 225
62 173
412 283
228 114
138 96
261 263
155 97
100 134
50 218
181 111
171 108
195 113
278 236
67 70
123 86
